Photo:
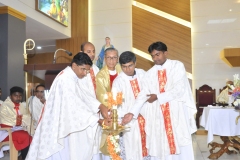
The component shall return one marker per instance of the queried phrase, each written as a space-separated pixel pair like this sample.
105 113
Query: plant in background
236 89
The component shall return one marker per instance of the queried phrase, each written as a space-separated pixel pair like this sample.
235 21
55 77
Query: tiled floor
201 151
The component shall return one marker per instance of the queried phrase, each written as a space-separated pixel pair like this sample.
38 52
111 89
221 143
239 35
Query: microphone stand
60 49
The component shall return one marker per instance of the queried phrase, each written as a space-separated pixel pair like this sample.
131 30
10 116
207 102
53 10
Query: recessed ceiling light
39 47
207 44
230 10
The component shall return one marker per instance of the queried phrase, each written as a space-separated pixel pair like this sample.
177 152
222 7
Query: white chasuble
132 138
68 123
177 94
35 108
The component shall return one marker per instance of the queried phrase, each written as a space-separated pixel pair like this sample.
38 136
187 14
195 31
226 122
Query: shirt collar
165 65
130 77
112 72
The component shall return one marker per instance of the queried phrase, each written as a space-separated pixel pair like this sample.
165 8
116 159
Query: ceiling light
215 21
39 47
230 10
207 44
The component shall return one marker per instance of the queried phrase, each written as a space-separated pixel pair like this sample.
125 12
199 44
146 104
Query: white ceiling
216 23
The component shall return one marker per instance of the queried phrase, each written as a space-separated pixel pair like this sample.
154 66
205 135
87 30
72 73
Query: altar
220 121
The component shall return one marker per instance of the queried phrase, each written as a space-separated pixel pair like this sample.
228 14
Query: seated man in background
36 103
14 114
225 96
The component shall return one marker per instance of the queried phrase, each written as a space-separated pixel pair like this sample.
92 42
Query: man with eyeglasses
68 124
104 80
168 109
129 83
36 103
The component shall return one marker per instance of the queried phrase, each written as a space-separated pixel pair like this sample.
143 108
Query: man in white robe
36 103
169 112
68 124
129 83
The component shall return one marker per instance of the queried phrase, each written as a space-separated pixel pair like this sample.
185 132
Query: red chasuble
141 120
162 79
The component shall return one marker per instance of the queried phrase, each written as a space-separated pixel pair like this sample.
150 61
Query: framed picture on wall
55 9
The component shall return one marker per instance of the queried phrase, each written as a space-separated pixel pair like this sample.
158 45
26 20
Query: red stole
162 79
16 107
93 79
141 120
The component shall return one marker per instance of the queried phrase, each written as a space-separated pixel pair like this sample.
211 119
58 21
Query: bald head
89 49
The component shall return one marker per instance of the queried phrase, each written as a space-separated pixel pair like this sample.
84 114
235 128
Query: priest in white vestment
169 112
36 103
70 117
129 83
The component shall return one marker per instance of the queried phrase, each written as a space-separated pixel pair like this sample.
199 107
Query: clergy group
158 109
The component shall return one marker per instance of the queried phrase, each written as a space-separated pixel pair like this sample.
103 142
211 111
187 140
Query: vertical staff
25 62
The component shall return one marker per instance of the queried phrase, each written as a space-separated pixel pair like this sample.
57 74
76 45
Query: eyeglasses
84 69
111 58
129 66
39 91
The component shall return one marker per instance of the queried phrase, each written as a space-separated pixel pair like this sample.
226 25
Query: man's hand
152 98
18 120
106 122
127 118
104 111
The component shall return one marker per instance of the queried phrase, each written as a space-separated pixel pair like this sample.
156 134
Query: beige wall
111 18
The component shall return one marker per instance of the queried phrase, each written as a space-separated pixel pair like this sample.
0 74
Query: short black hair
83 44
81 58
159 46
127 57
40 85
16 89
110 49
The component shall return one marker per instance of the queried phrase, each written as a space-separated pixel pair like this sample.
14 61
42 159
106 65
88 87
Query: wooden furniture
46 72
13 151
205 96
221 121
